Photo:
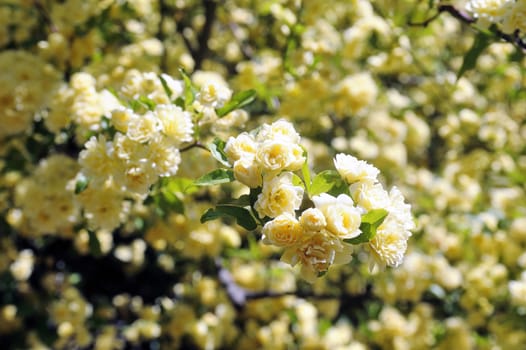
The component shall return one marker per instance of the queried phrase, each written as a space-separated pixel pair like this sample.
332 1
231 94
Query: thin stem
163 9
514 38
196 144
204 35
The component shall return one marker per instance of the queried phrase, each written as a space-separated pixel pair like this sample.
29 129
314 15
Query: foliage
231 174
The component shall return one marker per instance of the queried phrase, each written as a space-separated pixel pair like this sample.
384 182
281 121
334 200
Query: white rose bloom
389 244
400 210
240 147
283 231
313 220
247 172
22 267
176 123
279 130
213 95
316 253
120 117
278 196
277 155
353 170
370 196
490 9
343 218
143 128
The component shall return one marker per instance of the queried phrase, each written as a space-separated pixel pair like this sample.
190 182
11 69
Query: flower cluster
321 235
510 15
144 146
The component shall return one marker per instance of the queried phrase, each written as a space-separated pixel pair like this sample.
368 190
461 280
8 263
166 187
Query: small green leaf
242 215
170 201
94 244
189 89
179 102
217 149
181 185
254 195
141 103
148 103
305 172
370 223
297 181
239 100
242 201
324 182
165 86
215 177
81 185
481 42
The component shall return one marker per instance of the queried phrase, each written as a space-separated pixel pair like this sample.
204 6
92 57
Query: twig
452 10
45 15
514 38
163 9
193 145
239 296
204 35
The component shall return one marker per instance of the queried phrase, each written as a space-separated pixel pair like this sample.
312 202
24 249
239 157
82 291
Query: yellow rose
370 196
279 130
317 253
279 196
277 155
176 123
283 231
353 170
313 220
247 172
242 146
343 218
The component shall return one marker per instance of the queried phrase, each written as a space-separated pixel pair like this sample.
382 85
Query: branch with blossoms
316 219
504 20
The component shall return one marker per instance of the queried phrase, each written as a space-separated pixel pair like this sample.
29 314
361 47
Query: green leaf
482 41
179 102
170 201
217 149
324 182
94 244
370 223
242 201
148 103
189 89
81 185
215 177
181 185
297 181
142 102
165 86
305 172
237 101
242 215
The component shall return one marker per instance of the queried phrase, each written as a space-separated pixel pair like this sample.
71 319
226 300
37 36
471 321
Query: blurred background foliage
413 87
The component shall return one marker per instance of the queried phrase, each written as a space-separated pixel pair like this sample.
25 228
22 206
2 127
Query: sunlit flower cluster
509 14
133 195
316 238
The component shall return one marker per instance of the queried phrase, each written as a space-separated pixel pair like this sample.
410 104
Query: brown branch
196 144
163 9
45 15
239 296
514 38
204 35
452 10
